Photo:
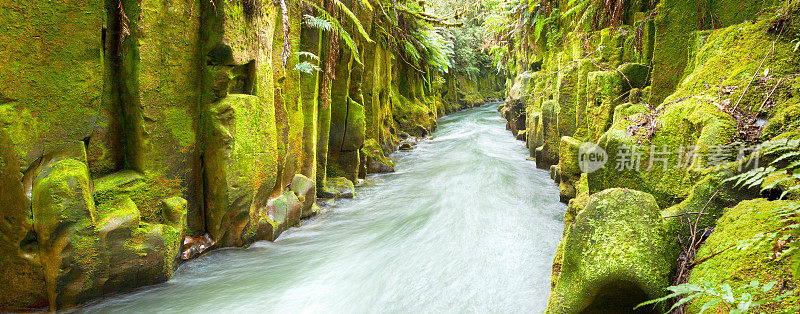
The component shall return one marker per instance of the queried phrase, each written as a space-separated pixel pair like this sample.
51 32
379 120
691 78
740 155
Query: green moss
64 216
338 188
373 150
737 267
616 254
240 163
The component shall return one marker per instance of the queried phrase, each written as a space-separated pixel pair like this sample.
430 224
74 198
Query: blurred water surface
466 224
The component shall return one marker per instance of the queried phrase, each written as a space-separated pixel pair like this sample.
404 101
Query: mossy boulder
682 136
711 196
338 188
376 161
306 191
140 253
616 254
268 221
734 254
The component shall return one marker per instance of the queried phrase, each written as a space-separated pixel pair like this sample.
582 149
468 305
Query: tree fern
338 28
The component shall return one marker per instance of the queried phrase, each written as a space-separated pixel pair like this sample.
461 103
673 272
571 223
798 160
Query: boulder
377 162
306 191
273 218
419 131
338 188
140 253
738 252
615 254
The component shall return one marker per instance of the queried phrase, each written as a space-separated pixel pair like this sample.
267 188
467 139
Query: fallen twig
687 213
770 94
759 69
710 256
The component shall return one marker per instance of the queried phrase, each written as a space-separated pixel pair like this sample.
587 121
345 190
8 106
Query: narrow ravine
466 224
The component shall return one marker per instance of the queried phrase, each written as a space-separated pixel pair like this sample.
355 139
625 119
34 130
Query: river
466 224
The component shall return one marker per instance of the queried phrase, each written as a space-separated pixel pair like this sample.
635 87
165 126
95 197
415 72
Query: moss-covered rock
711 196
616 254
376 161
64 218
338 188
240 169
273 218
139 253
306 191
734 255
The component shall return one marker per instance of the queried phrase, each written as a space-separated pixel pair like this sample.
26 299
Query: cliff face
135 134
671 99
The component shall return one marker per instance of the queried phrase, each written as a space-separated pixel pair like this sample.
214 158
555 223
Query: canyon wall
137 134
642 117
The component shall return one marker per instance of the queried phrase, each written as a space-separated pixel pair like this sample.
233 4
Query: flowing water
466 224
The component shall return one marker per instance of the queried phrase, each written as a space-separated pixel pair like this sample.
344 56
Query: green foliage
307 67
326 22
735 300
515 19
787 161
318 23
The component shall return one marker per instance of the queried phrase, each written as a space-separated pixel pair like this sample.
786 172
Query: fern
308 55
737 300
338 28
786 162
307 67
318 23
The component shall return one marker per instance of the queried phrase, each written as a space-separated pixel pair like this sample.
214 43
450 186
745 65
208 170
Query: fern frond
318 23
308 55
343 8
307 67
338 28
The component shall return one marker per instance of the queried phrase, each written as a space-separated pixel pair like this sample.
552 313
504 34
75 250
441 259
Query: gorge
210 155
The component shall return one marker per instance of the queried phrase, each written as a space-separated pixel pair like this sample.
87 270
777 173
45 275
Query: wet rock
419 131
405 147
69 248
140 253
272 219
306 191
522 135
338 188
615 254
194 246
377 162
514 113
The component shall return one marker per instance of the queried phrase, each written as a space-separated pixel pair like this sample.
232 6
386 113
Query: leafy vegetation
786 162
733 300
